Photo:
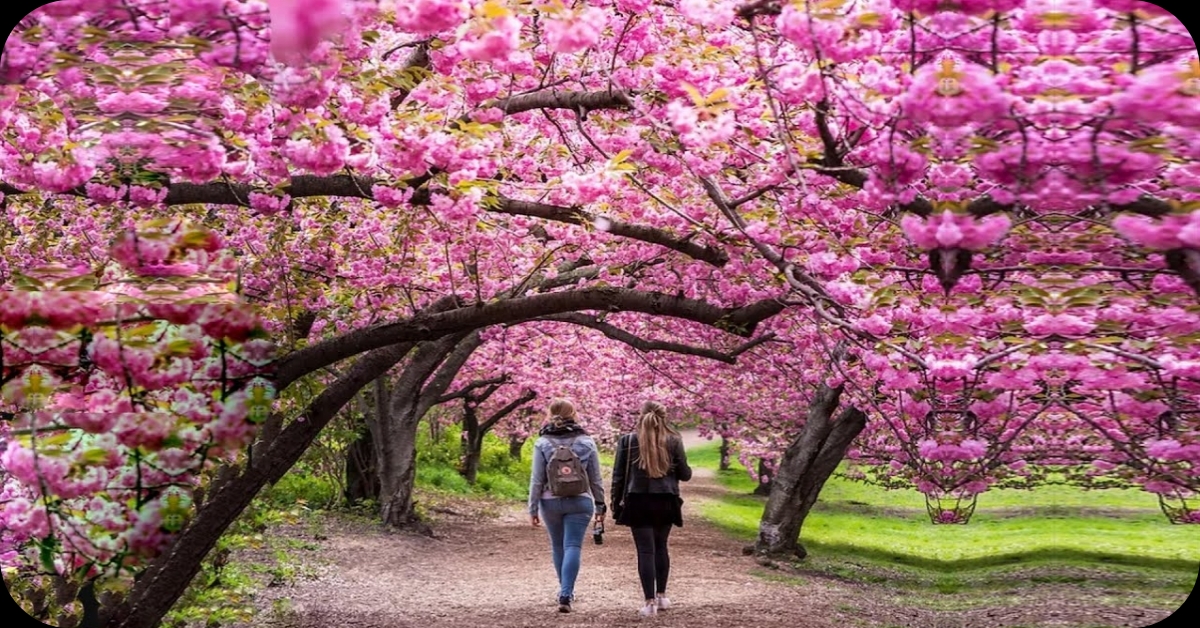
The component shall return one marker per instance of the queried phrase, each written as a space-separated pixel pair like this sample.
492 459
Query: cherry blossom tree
954 220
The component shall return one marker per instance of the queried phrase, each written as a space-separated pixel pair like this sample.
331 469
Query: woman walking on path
649 466
565 489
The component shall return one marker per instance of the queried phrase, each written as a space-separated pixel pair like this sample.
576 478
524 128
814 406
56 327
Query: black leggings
653 562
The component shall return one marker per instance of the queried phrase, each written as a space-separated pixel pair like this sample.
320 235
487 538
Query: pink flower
15 308
297 26
143 196
140 102
322 157
61 177
1059 324
575 33
269 203
390 197
496 42
709 13
426 17
952 368
954 93
875 325
1165 234
949 230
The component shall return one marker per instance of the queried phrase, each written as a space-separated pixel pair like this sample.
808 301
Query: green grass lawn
1114 539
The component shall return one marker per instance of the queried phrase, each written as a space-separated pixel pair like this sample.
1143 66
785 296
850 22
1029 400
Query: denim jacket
584 447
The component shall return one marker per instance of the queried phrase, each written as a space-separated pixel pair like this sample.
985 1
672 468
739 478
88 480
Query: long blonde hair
653 432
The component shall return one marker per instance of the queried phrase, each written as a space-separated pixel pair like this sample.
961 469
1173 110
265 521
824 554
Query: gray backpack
565 473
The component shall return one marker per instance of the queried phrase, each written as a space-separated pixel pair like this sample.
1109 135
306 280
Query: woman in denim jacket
566 518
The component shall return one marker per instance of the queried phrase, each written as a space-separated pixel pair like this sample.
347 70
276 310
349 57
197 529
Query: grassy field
1114 541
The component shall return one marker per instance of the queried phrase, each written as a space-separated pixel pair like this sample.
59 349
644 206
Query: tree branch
642 344
577 216
741 321
575 101
418 59
465 391
495 417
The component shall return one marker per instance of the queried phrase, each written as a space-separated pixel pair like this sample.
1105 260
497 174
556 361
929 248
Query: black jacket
636 480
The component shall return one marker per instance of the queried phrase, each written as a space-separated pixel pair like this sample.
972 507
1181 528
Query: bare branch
508 409
466 391
641 344
577 216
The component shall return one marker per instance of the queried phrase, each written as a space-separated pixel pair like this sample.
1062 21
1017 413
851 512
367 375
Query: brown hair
653 434
561 409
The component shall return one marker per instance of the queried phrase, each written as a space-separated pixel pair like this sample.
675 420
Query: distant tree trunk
724 465
515 445
764 479
474 431
435 431
808 462
362 477
472 443
362 457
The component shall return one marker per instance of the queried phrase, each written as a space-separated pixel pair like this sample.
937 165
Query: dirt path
497 573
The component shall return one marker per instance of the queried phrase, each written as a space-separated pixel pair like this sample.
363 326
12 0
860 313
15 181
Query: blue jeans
566 520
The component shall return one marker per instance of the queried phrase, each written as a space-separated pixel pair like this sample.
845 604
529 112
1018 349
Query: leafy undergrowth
267 546
500 476
1112 546
275 541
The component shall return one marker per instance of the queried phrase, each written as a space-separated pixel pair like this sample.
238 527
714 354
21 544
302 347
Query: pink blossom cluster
121 390
951 231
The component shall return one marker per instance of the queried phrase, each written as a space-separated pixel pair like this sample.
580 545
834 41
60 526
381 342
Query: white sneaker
663 602
649 610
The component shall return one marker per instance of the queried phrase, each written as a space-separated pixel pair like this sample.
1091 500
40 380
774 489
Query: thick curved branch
456 357
429 326
289 369
759 7
307 186
642 344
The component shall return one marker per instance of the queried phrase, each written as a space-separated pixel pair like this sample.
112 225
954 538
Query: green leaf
27 283
94 456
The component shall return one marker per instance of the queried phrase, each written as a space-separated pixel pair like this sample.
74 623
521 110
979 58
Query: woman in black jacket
649 466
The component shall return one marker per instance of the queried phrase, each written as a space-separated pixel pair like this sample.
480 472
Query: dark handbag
620 507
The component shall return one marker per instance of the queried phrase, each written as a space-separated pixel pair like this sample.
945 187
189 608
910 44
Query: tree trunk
411 401
515 445
398 465
724 465
471 457
399 473
808 462
362 457
472 444
474 430
764 479
362 477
